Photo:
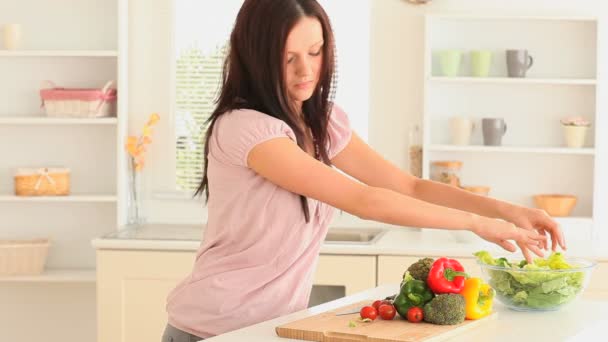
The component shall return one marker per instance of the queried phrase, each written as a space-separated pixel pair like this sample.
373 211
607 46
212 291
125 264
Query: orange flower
136 146
153 119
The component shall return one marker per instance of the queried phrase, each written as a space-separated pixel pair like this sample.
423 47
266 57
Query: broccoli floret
420 269
445 309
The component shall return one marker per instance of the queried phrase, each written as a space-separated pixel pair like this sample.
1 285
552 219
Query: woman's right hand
500 232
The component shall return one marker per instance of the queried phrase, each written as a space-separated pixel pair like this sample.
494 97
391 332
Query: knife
353 311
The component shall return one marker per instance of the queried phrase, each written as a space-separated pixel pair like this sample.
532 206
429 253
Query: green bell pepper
413 293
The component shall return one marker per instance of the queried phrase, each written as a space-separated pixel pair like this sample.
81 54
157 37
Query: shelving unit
83 45
512 149
56 276
506 80
40 120
58 53
562 82
71 198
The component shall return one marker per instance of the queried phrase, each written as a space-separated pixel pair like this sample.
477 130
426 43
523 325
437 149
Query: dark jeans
172 334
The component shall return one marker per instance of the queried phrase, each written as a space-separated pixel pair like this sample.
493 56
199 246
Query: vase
575 136
135 213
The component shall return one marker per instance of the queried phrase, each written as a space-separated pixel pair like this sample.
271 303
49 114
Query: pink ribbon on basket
52 92
44 173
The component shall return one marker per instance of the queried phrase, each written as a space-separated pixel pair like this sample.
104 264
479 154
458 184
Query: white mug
12 36
461 130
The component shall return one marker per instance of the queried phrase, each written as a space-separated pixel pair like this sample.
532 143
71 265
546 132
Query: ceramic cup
12 36
518 62
450 60
493 131
461 129
480 63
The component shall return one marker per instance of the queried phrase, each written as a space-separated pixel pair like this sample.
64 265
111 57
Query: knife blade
350 312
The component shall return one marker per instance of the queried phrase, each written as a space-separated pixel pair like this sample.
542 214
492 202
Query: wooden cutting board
327 327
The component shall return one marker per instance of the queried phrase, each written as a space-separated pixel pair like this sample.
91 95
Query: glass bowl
538 289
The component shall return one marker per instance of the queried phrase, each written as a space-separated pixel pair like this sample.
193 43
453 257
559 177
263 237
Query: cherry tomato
369 312
379 302
415 314
387 311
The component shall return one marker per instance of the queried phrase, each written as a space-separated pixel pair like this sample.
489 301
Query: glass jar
447 172
415 151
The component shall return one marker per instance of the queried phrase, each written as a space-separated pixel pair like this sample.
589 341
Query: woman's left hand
539 220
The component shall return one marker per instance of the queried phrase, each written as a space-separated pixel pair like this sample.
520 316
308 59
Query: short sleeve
237 132
338 130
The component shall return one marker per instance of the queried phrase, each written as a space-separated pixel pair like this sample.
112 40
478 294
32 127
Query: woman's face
303 59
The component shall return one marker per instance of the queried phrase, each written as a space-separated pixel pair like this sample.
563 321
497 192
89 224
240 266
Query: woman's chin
301 96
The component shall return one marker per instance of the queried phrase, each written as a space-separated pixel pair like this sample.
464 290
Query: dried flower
577 121
136 145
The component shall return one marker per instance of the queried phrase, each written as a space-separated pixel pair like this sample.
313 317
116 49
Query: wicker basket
23 257
42 182
78 102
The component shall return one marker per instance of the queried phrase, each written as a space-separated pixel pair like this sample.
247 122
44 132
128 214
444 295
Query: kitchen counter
584 320
395 241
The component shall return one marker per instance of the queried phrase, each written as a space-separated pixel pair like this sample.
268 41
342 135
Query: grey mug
493 131
518 62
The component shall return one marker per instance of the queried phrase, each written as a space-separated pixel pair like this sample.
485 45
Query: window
201 29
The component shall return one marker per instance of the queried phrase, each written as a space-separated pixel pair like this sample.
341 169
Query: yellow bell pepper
478 298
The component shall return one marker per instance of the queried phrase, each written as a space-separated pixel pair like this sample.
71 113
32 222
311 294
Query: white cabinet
562 82
599 278
132 289
355 272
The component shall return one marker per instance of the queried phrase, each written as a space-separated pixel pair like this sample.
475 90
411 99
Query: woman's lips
304 85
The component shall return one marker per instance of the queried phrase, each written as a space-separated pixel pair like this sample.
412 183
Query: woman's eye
289 60
316 53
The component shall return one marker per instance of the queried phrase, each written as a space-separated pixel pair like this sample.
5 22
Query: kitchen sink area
160 232
354 236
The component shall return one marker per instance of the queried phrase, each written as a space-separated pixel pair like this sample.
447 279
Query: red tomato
415 314
379 302
369 312
387 311
376 304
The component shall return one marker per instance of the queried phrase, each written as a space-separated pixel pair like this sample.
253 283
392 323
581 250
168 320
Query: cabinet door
599 278
132 288
355 272
391 268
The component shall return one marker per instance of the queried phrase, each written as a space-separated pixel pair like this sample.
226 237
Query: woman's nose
304 68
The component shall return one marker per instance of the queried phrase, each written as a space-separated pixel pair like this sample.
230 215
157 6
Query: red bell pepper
446 276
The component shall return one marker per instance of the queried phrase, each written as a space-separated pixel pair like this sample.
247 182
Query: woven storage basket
42 182
23 257
78 102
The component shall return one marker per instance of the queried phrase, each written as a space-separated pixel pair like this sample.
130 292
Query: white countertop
395 241
584 320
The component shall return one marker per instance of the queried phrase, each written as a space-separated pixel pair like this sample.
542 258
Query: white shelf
70 198
41 120
56 276
515 80
492 17
512 149
573 220
58 53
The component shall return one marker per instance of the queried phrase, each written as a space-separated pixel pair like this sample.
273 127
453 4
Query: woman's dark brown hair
253 75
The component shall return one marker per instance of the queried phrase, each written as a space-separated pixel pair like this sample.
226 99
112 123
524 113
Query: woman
271 188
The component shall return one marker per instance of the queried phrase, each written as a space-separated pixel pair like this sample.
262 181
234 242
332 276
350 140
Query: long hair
253 73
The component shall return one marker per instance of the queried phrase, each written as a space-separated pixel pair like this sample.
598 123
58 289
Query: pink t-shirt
258 255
